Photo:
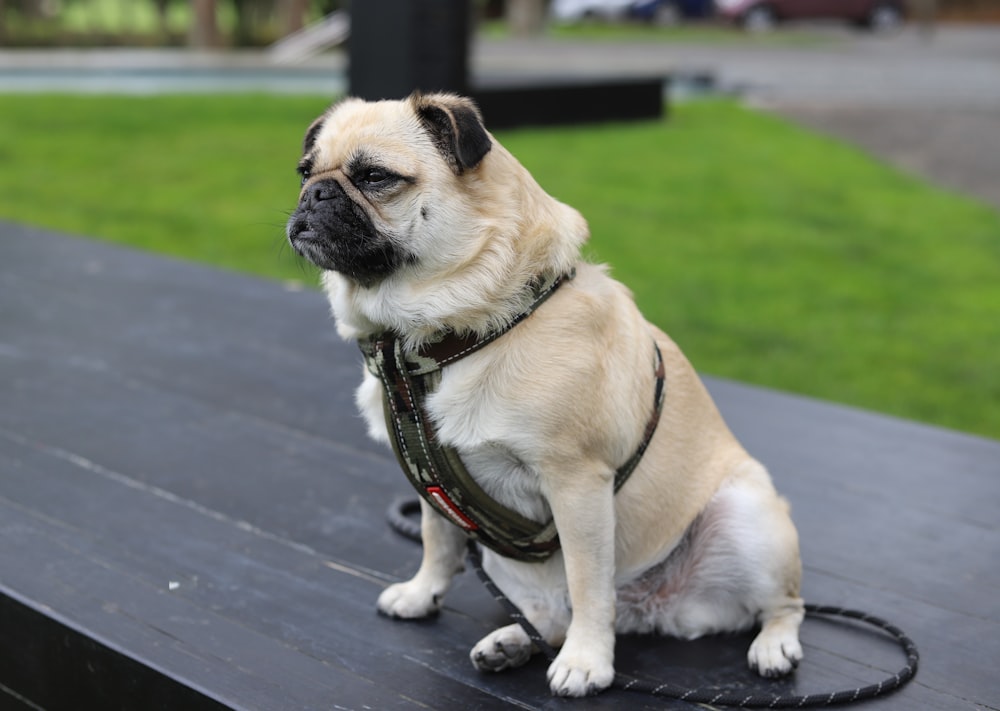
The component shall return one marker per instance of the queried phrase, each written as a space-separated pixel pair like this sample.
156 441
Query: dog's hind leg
738 566
761 529
776 651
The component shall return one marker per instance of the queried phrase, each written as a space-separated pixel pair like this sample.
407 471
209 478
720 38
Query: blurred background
257 23
813 205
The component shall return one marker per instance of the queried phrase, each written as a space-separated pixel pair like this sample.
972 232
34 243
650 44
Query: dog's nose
321 192
325 190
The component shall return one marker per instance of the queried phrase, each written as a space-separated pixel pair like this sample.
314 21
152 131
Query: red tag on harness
448 507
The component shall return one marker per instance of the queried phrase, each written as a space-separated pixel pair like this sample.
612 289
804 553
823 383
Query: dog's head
374 174
416 196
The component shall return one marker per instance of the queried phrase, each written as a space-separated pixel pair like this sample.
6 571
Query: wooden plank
57 666
99 598
165 423
217 602
230 574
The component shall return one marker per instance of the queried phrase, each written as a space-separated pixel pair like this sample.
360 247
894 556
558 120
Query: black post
397 46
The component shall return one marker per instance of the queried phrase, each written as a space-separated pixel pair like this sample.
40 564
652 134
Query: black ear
311 133
456 127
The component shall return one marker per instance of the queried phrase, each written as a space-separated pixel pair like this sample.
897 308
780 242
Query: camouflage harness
437 471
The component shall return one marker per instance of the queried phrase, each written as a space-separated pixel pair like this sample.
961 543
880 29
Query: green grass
706 32
709 33
771 255
203 178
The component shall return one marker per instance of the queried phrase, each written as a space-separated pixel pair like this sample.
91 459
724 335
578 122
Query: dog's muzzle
335 233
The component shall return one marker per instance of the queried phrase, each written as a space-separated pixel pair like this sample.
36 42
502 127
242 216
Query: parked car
576 10
756 15
668 12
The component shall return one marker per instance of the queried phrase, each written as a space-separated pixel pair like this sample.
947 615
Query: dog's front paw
581 671
410 600
505 648
773 655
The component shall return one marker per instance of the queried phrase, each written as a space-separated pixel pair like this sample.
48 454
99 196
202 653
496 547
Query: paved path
929 105
955 148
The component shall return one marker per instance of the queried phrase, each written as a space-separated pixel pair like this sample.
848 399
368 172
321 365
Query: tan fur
697 541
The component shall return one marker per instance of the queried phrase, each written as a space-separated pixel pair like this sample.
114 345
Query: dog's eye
304 173
374 176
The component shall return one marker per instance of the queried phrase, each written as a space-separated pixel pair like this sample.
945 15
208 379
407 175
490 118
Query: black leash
399 519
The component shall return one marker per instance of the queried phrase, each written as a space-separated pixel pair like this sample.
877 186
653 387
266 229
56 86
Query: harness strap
450 347
436 471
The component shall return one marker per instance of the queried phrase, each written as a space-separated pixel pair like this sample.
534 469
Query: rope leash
398 517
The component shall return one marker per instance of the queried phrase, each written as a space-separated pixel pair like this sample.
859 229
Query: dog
424 225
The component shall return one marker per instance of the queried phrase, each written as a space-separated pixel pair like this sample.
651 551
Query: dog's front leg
583 509
444 544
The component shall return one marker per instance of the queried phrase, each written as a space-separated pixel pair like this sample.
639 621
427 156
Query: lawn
772 255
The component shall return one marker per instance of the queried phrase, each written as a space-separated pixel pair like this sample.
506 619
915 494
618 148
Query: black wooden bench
191 516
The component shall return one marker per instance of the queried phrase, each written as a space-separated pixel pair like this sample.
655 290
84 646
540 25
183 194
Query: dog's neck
450 346
420 315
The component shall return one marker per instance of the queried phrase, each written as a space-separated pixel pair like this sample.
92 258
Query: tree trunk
161 17
294 15
205 29
526 18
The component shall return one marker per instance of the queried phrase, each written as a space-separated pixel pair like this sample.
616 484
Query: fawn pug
425 226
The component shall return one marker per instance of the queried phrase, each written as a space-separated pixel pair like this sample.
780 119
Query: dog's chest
492 440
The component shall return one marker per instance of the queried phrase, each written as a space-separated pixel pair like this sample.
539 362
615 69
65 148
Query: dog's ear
456 128
312 132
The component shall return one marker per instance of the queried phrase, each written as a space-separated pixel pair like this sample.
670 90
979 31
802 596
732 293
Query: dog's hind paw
776 651
773 655
504 648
